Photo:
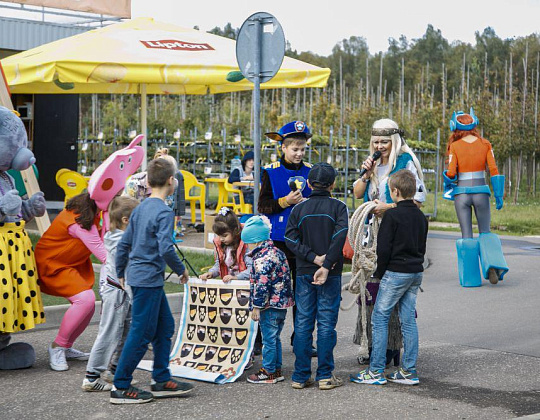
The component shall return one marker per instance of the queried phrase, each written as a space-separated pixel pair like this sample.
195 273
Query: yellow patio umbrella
144 56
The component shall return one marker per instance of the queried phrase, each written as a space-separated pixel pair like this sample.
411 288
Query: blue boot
469 270
492 260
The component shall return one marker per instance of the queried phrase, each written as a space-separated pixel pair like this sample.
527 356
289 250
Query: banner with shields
216 333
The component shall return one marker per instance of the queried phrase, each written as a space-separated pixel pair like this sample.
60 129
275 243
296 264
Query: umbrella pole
143 125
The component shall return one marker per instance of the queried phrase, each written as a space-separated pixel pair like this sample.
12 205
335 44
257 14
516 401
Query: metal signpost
260 49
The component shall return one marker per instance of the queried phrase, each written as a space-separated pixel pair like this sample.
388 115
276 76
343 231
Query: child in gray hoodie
115 304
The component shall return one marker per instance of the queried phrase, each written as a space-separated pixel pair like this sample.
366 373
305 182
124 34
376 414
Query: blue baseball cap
294 128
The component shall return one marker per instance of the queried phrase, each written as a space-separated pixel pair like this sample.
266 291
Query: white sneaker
74 354
57 358
98 385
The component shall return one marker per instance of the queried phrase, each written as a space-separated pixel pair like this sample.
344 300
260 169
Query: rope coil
364 262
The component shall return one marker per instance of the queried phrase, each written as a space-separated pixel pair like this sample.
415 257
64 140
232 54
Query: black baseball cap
322 175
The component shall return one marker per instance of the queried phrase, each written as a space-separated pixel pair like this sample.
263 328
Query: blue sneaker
401 376
366 376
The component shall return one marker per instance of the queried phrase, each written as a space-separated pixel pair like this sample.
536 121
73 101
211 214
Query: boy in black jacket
401 245
316 232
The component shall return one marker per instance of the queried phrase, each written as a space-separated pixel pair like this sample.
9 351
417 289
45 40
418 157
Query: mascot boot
16 355
469 270
492 260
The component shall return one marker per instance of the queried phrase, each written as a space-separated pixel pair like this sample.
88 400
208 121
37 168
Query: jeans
319 303
113 329
151 322
271 323
402 289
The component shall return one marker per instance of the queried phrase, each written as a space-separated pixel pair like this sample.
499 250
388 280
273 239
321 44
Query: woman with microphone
388 154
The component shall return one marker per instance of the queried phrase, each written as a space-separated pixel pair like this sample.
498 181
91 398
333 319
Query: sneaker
74 354
108 377
369 377
250 362
330 383
279 376
262 377
401 376
171 388
57 358
95 385
131 395
302 385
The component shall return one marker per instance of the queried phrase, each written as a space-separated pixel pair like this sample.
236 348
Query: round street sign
270 49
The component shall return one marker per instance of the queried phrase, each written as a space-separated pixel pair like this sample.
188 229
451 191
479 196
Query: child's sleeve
164 232
293 240
335 251
122 251
91 239
265 269
214 271
246 274
385 240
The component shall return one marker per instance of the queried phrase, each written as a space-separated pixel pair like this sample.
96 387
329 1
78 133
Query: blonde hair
121 206
163 153
398 148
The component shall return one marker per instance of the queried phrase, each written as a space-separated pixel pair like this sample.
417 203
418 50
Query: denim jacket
270 283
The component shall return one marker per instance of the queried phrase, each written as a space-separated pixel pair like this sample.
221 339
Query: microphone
375 156
292 186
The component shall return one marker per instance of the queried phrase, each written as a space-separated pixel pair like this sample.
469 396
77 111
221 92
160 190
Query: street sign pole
260 49
257 111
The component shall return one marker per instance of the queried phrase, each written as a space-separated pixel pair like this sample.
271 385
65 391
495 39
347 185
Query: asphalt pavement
479 359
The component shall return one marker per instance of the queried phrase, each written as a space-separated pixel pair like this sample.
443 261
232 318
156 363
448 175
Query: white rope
364 262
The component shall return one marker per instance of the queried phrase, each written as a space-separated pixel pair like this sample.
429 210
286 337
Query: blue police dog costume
466 193
281 177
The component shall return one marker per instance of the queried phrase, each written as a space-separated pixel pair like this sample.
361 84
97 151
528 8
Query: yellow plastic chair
241 207
191 182
73 183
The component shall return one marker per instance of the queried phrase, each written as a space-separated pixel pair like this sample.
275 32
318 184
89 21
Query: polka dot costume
21 307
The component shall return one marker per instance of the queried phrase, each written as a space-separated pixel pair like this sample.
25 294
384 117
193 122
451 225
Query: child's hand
319 259
228 278
256 314
320 276
184 277
205 276
122 283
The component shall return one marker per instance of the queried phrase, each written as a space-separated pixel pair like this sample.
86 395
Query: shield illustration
223 353
202 366
212 314
300 182
201 332
225 295
241 315
212 334
202 294
214 368
194 294
190 364
236 355
210 353
242 296
241 335
226 335
186 349
199 351
190 331
192 312
202 313
225 315
212 295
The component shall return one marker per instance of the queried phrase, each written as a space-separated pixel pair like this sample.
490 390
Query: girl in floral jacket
271 295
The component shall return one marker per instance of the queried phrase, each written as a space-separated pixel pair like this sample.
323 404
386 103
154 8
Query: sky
319 25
